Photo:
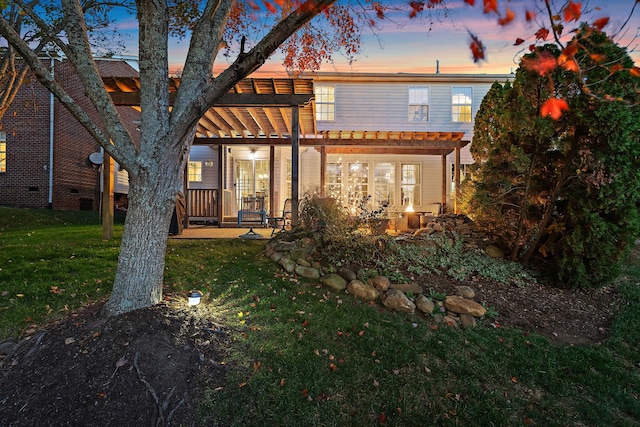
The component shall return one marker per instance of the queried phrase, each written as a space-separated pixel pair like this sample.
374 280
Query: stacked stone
454 310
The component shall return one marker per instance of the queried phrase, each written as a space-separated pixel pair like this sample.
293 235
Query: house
394 137
402 139
47 159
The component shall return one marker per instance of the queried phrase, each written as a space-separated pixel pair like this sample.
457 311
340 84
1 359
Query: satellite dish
96 158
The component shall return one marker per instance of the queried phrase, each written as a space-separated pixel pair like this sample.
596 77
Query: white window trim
409 104
318 103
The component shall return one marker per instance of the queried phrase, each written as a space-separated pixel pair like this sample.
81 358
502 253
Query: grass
304 355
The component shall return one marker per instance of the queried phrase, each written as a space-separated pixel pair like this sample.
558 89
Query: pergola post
323 169
443 160
107 196
456 199
295 160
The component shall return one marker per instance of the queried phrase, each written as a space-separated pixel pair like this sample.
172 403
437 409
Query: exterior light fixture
194 297
208 163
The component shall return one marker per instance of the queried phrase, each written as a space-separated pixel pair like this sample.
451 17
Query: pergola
281 112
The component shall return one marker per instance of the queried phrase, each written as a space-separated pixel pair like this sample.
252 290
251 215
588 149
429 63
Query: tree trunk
139 277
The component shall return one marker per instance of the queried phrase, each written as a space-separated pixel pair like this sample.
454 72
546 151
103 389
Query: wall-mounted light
208 163
252 155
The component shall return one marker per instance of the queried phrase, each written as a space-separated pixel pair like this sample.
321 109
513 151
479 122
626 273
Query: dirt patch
152 366
147 367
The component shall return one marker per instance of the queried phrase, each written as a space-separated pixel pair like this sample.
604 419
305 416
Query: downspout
51 129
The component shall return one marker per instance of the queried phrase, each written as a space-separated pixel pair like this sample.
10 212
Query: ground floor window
410 185
384 182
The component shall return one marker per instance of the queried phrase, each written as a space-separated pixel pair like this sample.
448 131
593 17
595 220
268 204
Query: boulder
334 281
493 251
460 305
466 292
347 274
307 272
288 264
361 290
276 256
381 283
398 301
424 304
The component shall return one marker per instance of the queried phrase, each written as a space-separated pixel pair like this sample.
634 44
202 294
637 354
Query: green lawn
306 356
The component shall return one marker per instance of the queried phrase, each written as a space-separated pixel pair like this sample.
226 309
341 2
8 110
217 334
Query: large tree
156 165
564 191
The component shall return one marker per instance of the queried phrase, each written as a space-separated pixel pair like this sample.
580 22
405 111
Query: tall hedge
562 194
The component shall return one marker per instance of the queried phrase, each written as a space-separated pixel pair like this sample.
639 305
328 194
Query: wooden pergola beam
276 100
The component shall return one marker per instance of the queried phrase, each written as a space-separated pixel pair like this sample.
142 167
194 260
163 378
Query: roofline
404 77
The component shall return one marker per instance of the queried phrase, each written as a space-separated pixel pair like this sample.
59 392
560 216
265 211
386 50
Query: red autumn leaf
600 23
569 64
509 15
254 6
530 16
532 47
435 1
382 419
304 392
416 7
597 57
616 68
542 64
471 2
553 107
490 6
477 49
572 11
305 323
635 71
514 380
518 42
542 34
333 367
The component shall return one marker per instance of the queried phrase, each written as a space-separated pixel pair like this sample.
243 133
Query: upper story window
461 104
3 152
195 171
325 102
418 104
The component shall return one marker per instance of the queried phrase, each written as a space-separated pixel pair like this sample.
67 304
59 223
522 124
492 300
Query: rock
493 251
467 321
423 232
408 287
460 305
276 256
316 264
304 262
398 301
381 283
288 264
334 281
451 321
307 272
284 246
347 274
361 290
424 304
466 292
299 253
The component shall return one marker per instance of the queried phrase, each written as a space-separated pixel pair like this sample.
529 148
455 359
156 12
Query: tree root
162 407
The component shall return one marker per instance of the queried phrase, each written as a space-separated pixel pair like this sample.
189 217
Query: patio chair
252 213
280 221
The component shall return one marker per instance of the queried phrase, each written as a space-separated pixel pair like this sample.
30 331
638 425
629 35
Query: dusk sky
415 49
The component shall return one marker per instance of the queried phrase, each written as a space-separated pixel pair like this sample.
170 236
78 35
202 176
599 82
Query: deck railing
203 204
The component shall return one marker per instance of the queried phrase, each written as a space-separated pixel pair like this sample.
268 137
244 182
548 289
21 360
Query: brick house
44 151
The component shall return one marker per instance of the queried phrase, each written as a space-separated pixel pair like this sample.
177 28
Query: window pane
410 185
358 184
383 181
461 104
195 171
418 111
325 102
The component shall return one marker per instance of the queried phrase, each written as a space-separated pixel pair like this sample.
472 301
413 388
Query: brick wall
76 181
25 182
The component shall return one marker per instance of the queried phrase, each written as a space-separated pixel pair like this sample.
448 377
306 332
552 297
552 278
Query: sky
413 48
